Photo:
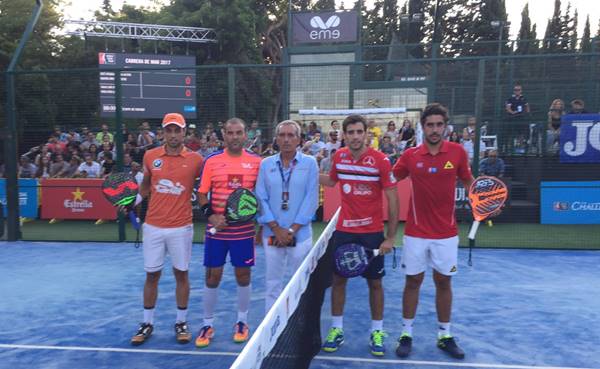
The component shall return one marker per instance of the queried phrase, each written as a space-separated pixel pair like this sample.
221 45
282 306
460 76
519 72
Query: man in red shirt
364 174
431 234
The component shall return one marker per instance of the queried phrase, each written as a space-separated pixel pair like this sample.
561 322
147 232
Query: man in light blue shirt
288 190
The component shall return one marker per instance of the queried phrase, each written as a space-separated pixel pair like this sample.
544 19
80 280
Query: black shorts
376 269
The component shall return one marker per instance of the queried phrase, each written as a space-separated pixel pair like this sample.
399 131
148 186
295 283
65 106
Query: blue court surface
76 305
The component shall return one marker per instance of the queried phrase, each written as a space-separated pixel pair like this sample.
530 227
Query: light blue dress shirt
303 194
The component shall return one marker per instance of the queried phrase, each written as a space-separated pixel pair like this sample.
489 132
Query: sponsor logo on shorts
349 223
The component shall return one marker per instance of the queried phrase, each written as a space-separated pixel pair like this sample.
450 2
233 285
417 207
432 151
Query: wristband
206 209
291 230
138 200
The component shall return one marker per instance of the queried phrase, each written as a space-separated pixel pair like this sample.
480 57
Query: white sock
181 315
243 299
149 315
443 329
209 301
337 321
376 325
407 325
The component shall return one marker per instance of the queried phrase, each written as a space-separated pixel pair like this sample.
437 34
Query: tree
554 30
524 38
324 5
586 41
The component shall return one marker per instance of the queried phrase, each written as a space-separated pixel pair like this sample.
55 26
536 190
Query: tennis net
290 334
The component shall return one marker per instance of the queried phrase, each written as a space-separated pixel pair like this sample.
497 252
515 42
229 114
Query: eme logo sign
580 138
324 29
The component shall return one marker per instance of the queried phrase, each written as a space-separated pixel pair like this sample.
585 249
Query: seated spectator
159 137
325 164
107 164
93 150
555 113
72 169
191 130
146 137
254 135
492 165
406 136
91 168
26 168
333 142
454 137
43 170
335 126
58 167
448 131
90 139
127 162
44 153
375 130
391 131
2 169
104 132
75 137
59 134
136 172
313 129
315 145
578 107
388 148
55 146
372 140
106 149
467 143
471 125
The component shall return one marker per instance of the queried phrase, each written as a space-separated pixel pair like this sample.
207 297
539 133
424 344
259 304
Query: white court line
440 363
330 358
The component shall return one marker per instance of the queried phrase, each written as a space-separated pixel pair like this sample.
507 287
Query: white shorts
440 254
157 242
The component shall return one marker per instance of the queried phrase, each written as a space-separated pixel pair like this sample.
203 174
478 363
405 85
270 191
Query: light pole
500 24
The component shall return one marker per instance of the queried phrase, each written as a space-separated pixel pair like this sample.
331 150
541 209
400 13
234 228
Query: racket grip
212 230
135 221
375 252
473 230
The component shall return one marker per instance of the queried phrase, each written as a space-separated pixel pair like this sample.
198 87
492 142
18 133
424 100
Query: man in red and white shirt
431 234
364 175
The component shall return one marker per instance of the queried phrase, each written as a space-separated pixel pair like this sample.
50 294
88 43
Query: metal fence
468 86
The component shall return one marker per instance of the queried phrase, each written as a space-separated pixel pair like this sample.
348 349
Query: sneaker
335 338
241 332
404 345
204 336
376 344
144 332
182 333
448 344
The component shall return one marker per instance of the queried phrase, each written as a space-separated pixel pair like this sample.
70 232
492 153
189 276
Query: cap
173 118
192 125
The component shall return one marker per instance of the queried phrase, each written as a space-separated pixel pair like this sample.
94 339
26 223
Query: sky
539 10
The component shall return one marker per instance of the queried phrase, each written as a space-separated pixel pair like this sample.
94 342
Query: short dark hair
352 119
235 120
434 109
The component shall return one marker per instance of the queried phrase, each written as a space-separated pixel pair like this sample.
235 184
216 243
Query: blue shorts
372 241
241 252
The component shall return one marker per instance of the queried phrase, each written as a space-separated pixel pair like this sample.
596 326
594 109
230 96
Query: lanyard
285 183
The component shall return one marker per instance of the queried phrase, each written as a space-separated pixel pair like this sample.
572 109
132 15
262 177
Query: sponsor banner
75 199
570 202
580 138
28 197
325 27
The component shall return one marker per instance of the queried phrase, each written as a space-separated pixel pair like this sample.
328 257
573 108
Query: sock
407 325
210 301
181 315
443 329
337 321
149 315
376 325
243 298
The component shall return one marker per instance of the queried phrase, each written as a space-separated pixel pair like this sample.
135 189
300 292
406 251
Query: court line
318 357
440 363
117 349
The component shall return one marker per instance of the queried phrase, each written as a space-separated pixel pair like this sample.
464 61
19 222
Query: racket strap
394 260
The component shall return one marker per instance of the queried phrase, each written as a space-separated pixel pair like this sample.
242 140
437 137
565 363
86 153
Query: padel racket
487 195
352 259
121 189
241 206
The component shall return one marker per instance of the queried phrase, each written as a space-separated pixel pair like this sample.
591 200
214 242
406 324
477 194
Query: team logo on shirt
432 170
235 181
420 164
448 165
369 160
346 188
157 163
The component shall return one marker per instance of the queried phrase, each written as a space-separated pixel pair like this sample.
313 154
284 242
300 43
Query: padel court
76 305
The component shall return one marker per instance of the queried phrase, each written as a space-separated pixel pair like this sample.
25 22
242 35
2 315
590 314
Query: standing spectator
59 167
335 126
89 166
555 113
492 165
288 202
372 140
471 126
578 107
391 131
375 130
104 132
136 172
388 148
325 164
406 136
159 138
313 129
517 108
314 146
468 145
333 142
26 169
43 170
517 104
254 135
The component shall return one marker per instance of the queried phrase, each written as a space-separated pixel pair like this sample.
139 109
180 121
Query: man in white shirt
89 166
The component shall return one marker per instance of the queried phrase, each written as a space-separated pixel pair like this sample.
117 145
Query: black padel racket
121 189
241 206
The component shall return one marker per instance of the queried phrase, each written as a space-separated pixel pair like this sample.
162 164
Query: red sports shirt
222 174
171 184
361 184
433 177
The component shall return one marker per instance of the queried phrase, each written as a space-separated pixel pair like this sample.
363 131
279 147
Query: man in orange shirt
224 172
169 174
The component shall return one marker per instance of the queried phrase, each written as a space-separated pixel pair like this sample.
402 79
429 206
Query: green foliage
586 41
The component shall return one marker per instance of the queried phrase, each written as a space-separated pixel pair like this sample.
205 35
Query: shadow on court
76 305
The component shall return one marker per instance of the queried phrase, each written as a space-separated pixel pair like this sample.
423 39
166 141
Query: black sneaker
449 345
144 332
182 333
404 346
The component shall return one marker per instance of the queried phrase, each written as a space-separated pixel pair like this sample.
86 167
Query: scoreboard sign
151 93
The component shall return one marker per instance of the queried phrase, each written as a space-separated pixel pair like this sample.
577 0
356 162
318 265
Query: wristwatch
291 230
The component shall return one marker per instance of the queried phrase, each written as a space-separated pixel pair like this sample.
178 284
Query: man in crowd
492 165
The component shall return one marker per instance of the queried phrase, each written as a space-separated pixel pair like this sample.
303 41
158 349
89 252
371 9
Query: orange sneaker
204 336
240 333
